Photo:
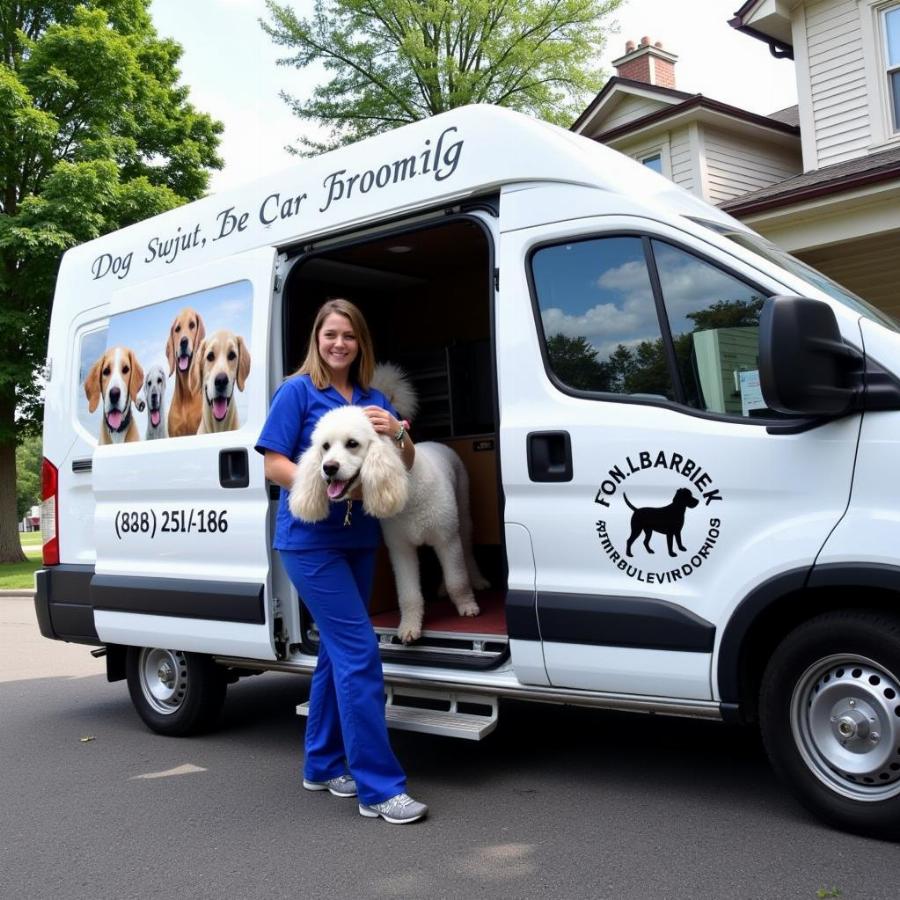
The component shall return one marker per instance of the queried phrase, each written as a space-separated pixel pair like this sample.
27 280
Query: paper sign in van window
176 368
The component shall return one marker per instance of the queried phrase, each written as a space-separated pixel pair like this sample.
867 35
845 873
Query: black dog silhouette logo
669 520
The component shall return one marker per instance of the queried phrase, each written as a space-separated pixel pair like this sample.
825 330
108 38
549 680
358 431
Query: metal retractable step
448 713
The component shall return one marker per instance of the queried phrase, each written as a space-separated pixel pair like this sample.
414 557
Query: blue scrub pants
346 726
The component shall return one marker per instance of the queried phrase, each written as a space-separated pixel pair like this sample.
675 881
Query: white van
679 439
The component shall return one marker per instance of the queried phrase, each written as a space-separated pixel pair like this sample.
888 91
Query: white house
821 179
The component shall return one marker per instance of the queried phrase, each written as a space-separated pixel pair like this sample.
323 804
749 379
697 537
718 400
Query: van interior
426 294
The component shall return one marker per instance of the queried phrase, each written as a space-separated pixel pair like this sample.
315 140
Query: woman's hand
382 421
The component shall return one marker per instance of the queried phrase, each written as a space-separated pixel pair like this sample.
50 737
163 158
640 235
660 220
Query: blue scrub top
296 409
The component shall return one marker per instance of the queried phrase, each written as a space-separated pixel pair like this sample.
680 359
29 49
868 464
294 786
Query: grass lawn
31 543
19 575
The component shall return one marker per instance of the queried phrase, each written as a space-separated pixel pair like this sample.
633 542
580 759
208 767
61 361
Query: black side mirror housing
805 367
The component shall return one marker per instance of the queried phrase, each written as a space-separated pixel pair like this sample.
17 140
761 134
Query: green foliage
95 133
574 361
390 62
28 474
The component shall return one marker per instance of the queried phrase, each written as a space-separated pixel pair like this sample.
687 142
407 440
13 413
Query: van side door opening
427 295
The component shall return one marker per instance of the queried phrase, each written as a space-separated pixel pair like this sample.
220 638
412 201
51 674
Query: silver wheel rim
164 681
845 719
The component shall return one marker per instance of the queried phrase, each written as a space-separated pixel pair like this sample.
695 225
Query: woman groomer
331 565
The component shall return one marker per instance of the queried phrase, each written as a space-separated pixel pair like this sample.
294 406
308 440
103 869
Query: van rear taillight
49 513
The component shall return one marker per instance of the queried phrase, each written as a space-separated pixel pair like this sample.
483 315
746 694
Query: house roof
834 179
667 94
790 115
698 101
768 25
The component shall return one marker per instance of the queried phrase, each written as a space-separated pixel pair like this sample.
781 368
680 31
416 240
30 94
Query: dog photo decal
647 540
173 369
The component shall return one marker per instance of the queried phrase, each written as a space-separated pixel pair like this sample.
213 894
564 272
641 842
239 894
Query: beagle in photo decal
115 381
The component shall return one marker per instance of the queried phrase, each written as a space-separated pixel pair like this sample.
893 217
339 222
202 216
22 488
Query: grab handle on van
234 469
549 456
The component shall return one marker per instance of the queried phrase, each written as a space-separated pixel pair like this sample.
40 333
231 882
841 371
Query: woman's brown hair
363 366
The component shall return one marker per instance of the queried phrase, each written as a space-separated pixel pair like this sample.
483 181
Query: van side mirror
805 368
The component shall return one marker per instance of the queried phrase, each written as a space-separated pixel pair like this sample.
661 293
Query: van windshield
768 251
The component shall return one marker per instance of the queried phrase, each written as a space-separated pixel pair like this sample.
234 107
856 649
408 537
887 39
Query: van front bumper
62 604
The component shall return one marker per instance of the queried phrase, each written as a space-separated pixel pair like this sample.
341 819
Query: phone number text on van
172 521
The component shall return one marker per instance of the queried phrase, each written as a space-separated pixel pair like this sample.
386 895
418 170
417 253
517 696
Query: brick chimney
648 63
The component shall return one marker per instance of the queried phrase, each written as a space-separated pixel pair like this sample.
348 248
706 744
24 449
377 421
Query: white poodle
427 505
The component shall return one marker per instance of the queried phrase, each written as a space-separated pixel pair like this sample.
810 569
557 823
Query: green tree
95 133
728 314
391 62
28 474
574 362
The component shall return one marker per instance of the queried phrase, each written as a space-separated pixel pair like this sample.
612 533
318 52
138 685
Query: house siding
870 268
735 166
629 109
837 80
683 169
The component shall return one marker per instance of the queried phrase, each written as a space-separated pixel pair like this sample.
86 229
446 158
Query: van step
437 712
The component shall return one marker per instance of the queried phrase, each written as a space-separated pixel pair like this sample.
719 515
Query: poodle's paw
468 608
409 630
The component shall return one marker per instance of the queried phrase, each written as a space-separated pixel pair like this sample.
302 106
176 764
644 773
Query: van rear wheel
174 692
830 718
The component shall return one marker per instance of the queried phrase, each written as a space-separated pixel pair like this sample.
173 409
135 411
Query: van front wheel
830 718
174 692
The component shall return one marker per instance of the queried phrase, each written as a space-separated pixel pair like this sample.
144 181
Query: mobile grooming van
680 443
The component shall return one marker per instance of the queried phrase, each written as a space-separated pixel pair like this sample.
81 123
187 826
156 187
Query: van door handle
549 456
234 468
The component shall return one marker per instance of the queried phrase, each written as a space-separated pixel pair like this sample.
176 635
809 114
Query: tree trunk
10 544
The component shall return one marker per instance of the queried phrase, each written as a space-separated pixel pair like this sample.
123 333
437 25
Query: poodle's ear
308 500
384 479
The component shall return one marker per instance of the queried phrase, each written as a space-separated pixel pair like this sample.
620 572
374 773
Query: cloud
629 317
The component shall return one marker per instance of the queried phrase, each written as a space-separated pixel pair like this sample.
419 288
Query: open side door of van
180 520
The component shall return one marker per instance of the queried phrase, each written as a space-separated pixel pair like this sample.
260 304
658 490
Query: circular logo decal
658 535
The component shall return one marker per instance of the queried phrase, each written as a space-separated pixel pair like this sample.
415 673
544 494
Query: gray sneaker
342 786
398 810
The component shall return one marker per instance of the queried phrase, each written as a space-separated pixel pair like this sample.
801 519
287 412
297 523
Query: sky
229 64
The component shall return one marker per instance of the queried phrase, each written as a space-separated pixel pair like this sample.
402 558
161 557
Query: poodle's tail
630 505
394 383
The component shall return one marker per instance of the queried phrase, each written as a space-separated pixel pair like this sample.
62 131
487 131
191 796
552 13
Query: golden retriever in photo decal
223 363
185 336
115 380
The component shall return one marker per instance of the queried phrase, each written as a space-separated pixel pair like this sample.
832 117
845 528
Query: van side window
601 329
714 319
91 345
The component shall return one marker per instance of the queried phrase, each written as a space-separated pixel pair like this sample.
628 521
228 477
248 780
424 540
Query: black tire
175 693
829 714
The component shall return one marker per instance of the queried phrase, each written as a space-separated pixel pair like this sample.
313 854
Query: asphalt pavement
557 803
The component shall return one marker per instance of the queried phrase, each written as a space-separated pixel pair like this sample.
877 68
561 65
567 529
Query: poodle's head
346 452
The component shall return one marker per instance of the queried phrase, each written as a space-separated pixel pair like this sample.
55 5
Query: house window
892 55
655 162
